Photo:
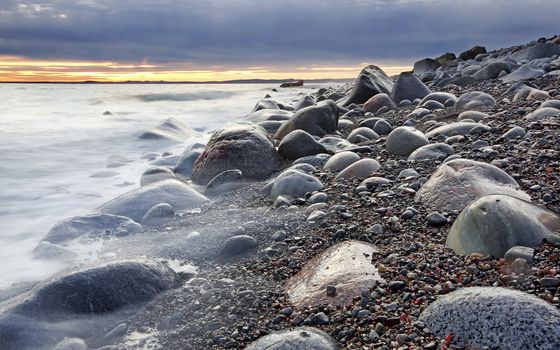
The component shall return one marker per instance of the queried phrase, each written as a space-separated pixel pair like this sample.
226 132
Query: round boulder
371 81
375 103
363 132
317 120
237 246
475 100
341 161
156 174
403 140
293 183
299 144
361 169
408 87
432 151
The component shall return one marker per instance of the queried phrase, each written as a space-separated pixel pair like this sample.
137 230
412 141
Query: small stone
320 318
396 285
436 219
407 215
549 282
373 335
520 252
279 236
331 291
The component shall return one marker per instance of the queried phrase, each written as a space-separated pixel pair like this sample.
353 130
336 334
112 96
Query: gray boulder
543 114
268 103
538 50
155 174
361 169
493 224
371 81
317 160
293 183
317 120
457 128
408 87
382 127
441 97
364 133
71 344
186 162
526 71
491 71
432 151
402 141
242 146
378 102
299 144
458 182
172 130
98 290
268 115
427 65
91 225
158 215
303 102
551 104
472 52
225 181
475 100
271 126
301 338
237 246
494 317
341 161
136 203
334 143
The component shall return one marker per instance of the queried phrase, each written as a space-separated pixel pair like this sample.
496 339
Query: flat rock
242 146
494 317
475 100
346 266
341 161
402 141
371 81
301 338
318 120
361 169
136 203
458 182
92 225
171 129
299 144
432 151
493 224
408 87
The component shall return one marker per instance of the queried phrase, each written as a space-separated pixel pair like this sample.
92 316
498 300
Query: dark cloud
256 32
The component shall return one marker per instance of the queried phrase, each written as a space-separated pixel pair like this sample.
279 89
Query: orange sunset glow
18 69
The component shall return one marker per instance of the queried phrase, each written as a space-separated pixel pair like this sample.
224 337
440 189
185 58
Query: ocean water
56 145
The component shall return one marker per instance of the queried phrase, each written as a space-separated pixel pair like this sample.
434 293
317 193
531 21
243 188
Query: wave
191 96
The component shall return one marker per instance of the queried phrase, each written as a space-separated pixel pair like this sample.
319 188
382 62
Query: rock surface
317 120
301 338
361 169
299 144
402 141
371 81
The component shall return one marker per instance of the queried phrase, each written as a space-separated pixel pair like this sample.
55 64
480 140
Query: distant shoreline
246 81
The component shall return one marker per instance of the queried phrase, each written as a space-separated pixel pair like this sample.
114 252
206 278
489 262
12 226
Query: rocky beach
418 211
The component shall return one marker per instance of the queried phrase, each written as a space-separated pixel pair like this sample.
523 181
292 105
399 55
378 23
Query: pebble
436 219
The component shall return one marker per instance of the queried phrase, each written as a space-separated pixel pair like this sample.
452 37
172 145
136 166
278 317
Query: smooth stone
299 144
271 126
378 102
526 71
432 105
426 65
369 122
151 175
491 71
237 246
456 128
319 197
545 114
436 219
538 50
185 164
475 100
494 317
91 225
493 224
242 146
316 216
293 183
318 120
268 115
408 173
48 251
514 133
375 181
457 183
341 161
334 143
371 81
300 338
97 290
317 160
158 215
360 169
402 141
446 57
303 102
364 132
166 161
432 151
225 181
268 103
136 203
346 266
172 130
441 97
528 93
520 252
345 125
408 87
382 127
475 116
551 104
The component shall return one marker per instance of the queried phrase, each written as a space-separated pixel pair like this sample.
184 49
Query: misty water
57 146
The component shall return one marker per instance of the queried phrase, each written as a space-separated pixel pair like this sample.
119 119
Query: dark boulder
318 120
371 81
471 53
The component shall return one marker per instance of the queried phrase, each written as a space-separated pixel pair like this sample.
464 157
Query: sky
202 40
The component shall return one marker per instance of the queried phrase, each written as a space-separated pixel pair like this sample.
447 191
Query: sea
67 148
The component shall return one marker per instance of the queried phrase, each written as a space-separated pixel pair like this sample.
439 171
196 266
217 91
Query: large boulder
371 81
491 71
489 317
427 65
98 290
91 225
471 53
458 182
299 144
294 183
303 102
408 87
379 102
526 71
185 163
302 338
171 129
402 141
318 120
475 100
136 203
268 115
242 146
543 114
347 266
433 151
493 224
538 50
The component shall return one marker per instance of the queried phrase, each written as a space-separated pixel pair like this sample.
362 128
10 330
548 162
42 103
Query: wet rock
71 344
271 126
268 115
457 183
431 151
186 162
292 183
341 161
316 120
436 219
99 289
298 338
494 317
402 141
268 103
303 102
158 215
237 246
360 169
382 127
408 87
242 146
346 266
225 181
379 101
493 224
48 251
171 130
475 100
94 225
371 81
152 175
136 203
364 132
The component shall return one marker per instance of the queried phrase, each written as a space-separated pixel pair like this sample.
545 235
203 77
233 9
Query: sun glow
18 69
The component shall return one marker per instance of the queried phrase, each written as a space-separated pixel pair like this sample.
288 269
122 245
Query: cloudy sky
237 39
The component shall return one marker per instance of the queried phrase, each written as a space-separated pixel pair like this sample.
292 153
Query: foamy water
55 142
